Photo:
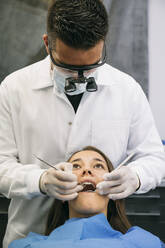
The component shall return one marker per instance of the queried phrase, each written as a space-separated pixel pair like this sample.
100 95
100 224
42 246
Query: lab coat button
70 123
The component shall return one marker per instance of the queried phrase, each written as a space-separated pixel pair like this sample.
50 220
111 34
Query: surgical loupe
70 82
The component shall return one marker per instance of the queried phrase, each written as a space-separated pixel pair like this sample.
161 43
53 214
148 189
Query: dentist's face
89 167
63 53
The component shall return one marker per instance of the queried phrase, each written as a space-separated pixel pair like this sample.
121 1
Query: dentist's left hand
119 184
60 183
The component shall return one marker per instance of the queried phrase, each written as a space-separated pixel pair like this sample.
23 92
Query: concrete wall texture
128 38
21 29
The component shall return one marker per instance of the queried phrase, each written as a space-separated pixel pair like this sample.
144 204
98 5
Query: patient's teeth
88 186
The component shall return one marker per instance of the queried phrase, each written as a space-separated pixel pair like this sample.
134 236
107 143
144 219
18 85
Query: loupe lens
69 85
91 85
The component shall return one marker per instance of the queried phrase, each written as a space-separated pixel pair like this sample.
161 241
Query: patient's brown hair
116 214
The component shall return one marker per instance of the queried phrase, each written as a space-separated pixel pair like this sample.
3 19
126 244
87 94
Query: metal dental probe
125 161
44 161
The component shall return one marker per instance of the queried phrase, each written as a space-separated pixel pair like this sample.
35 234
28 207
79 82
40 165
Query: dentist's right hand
60 182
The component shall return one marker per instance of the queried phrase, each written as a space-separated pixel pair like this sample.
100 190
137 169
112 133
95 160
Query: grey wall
24 21
128 38
22 24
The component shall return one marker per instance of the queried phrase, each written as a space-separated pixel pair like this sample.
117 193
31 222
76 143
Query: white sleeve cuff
32 182
146 183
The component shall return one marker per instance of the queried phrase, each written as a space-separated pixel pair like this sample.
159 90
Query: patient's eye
76 166
99 166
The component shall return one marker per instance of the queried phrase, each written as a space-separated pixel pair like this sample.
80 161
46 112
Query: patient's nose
86 172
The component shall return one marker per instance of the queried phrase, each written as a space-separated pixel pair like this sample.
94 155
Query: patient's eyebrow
100 160
75 160
96 159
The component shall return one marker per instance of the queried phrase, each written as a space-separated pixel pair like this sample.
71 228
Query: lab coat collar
43 77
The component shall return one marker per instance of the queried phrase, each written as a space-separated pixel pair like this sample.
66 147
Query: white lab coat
34 120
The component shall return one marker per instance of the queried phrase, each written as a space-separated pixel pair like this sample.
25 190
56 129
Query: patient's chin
87 208
88 212
89 203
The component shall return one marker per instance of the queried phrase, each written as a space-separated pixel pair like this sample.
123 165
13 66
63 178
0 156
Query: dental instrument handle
44 161
125 161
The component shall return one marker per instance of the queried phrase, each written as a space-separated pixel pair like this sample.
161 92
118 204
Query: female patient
90 220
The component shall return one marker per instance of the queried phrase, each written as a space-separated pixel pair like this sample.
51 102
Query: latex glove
60 183
119 184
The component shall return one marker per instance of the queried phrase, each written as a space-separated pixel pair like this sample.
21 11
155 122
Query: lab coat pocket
111 137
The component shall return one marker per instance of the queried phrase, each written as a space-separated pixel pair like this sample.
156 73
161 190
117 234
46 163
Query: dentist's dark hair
80 24
116 214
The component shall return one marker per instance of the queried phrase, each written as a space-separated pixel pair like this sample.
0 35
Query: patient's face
89 167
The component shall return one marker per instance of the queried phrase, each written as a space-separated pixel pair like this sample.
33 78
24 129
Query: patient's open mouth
88 187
